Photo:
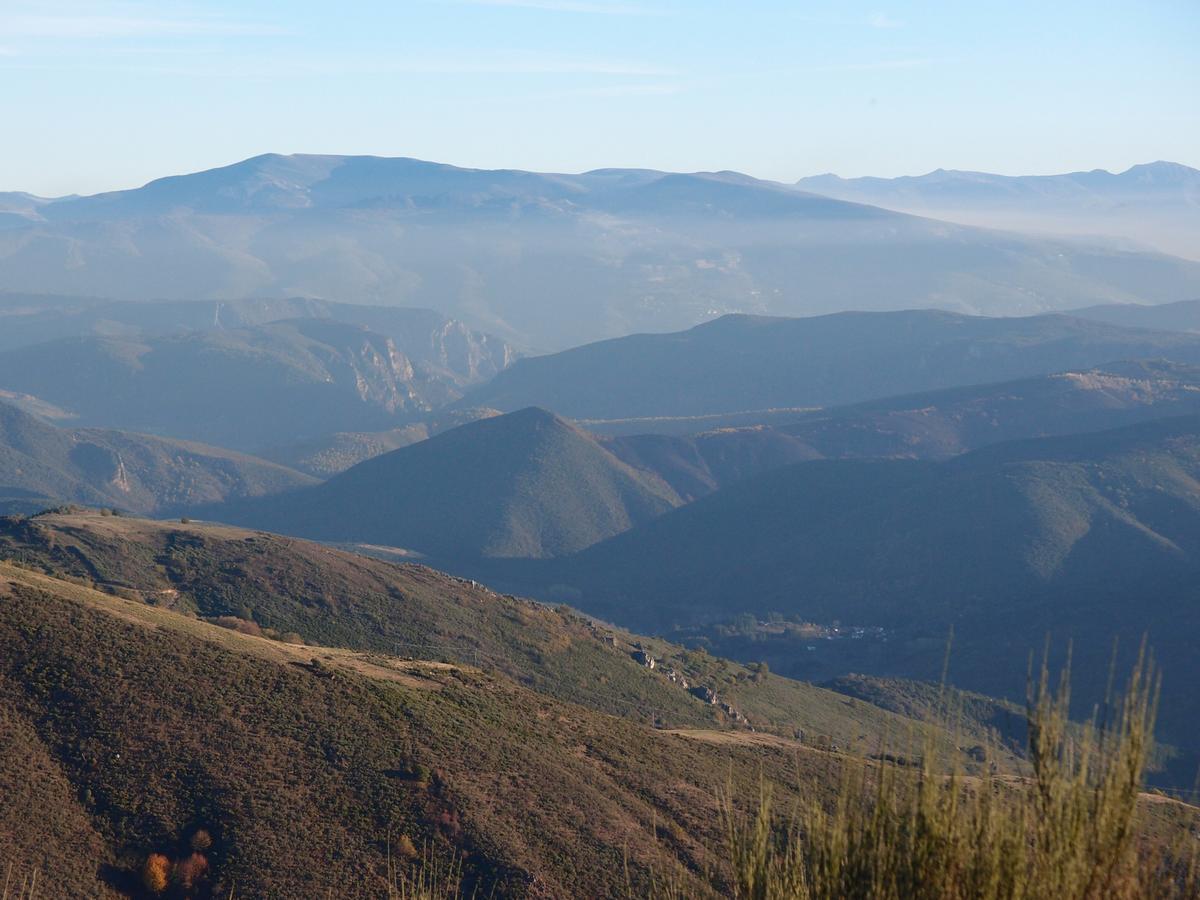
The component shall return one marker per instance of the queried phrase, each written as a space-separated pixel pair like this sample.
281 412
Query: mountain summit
526 484
1157 204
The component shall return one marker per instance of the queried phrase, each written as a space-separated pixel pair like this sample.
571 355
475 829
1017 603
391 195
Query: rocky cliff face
254 387
382 376
434 346
469 355
42 465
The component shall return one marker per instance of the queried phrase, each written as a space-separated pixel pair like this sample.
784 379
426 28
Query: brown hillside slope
334 598
129 727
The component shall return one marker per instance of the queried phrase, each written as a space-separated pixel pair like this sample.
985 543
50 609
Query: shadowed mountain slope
42 465
698 464
524 484
328 455
1087 536
941 424
247 388
529 484
857 538
748 363
932 425
1183 315
426 338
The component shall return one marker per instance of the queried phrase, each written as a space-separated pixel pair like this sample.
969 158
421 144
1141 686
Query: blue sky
100 95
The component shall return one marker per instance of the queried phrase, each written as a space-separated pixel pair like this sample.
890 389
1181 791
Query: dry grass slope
1072 830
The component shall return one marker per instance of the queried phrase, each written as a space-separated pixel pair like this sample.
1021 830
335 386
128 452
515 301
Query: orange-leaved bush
156 872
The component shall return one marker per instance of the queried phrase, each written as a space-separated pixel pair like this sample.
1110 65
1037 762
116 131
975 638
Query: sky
104 95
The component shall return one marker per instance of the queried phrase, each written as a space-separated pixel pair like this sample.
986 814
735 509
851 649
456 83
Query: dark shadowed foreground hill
1091 535
858 539
524 484
744 362
42 465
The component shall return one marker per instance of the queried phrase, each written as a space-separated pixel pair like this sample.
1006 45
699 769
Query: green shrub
1069 831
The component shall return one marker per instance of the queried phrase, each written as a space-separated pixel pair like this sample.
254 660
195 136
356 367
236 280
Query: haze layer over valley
551 260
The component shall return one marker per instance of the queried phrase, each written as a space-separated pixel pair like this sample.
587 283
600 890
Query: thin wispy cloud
879 20
73 24
620 90
883 20
291 66
526 67
499 64
882 64
572 6
629 90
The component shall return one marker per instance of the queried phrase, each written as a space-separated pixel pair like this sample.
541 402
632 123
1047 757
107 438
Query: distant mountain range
1157 204
941 424
530 484
547 260
41 466
427 339
740 363
344 384
1183 315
